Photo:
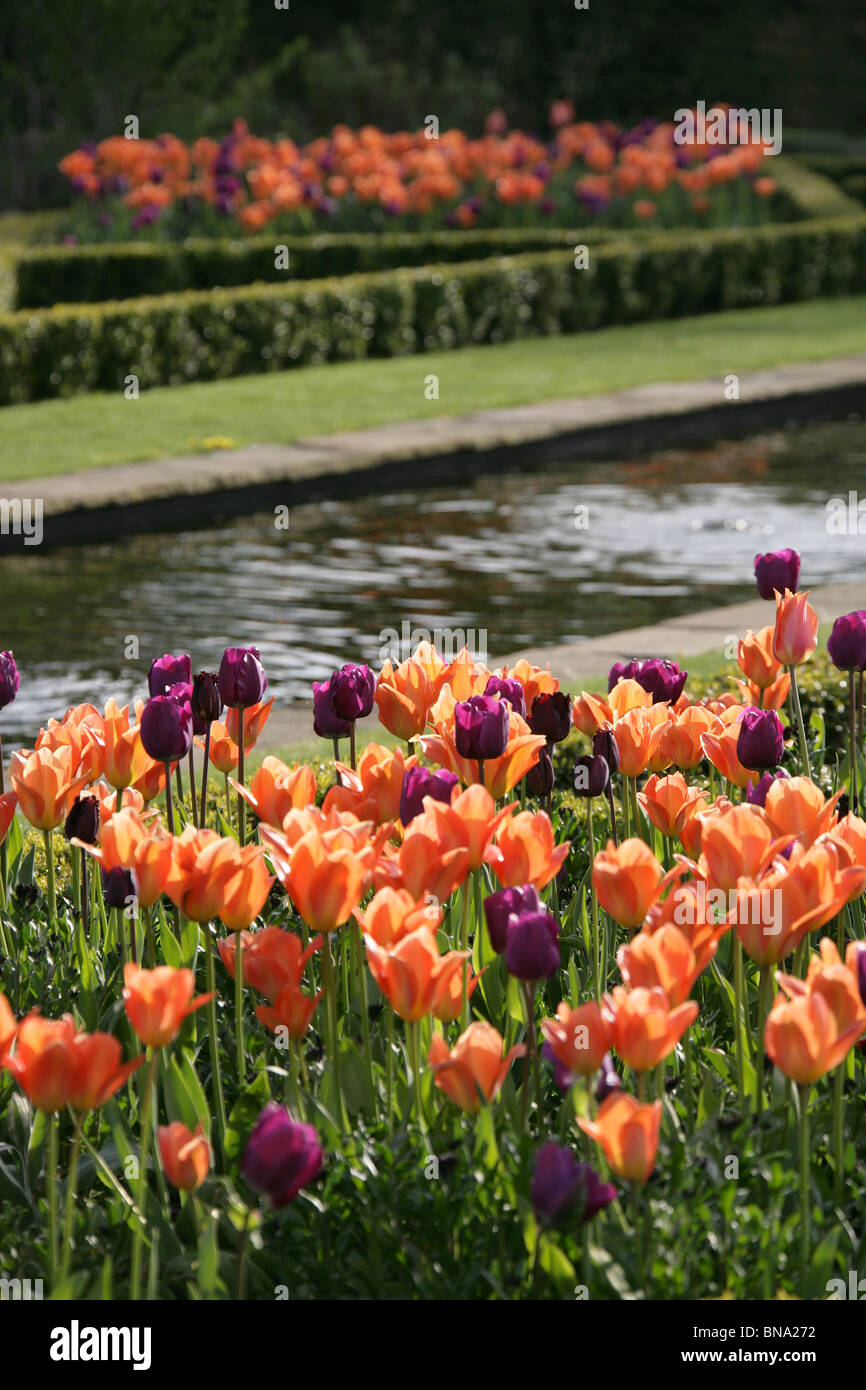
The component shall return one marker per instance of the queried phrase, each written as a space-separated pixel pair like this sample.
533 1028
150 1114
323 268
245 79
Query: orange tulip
214 877
255 719
797 807
628 695
800 895
628 879
57 1066
223 751
755 658
185 1155
687 909
578 1038
157 1001
796 634
404 695
689 824
131 800
500 774
643 1026
836 981
628 1133
324 876
8 1026
662 799
721 749
276 789
804 1039
473 1070
8 803
589 713
448 995
97 1069
272 958
532 678
525 851
124 757
634 739
410 973
292 1009
850 833
465 676
393 913
373 791
679 740
660 959
79 731
434 856
476 808
45 784
739 843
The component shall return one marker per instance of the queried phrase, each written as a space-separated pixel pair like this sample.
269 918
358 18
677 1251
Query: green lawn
96 430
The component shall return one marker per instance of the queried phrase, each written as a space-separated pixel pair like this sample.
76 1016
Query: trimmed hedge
812 194
47 275
198 336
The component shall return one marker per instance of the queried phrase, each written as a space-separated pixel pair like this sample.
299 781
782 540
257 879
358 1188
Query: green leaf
184 1098
245 1112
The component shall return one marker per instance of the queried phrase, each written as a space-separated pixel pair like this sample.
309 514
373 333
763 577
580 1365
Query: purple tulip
664 680
166 729
242 679
206 701
560 1183
82 823
351 692
608 1080
757 795
621 671
563 1079
419 782
604 745
778 569
9 679
861 970
596 1194
166 671
532 945
481 727
325 723
540 777
551 716
761 740
847 642
508 689
117 887
591 775
498 907
281 1156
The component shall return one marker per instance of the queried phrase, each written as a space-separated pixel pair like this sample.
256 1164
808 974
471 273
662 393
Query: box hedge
203 336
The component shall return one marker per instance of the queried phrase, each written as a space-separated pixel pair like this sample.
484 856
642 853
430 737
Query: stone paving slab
584 665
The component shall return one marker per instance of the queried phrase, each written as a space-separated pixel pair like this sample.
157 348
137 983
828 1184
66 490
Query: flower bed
356 180
439 1027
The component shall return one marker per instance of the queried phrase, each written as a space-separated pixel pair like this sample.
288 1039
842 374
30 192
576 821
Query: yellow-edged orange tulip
628 1133
660 959
410 973
796 633
796 806
124 759
45 784
525 851
404 695
628 879
634 734
275 789
803 1037
393 913
474 1070
373 791
255 719
185 1155
662 799
578 1038
644 1028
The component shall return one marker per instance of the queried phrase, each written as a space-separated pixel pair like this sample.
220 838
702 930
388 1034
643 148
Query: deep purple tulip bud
540 777
594 1194
861 970
757 794
532 945
242 679
166 729
325 722
847 642
508 689
9 679
563 1079
843 806
551 716
206 702
621 671
419 782
281 1156
604 745
761 740
778 569
166 671
555 1182
481 727
82 823
498 907
117 887
591 775
182 692
663 679
608 1080
351 692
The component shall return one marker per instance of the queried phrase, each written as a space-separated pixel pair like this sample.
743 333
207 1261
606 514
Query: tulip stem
51 1192
169 805
765 989
481 772
352 743
852 742
213 1039
464 946
365 1014
242 805
626 814
192 794
329 980
71 1190
838 1133
612 809
52 886
738 1017
413 1029
141 1195
390 1070
203 798
690 1084
801 728
596 962
805 1205
239 1013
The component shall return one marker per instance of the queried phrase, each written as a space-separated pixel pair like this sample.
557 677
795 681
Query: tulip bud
166 729
9 679
591 775
351 692
481 727
166 671
757 794
281 1155
560 1183
604 745
242 679
540 778
117 887
551 716
847 642
185 1155
325 722
663 679
507 688
82 823
608 1081
498 907
778 569
206 703
532 945
419 782
760 742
